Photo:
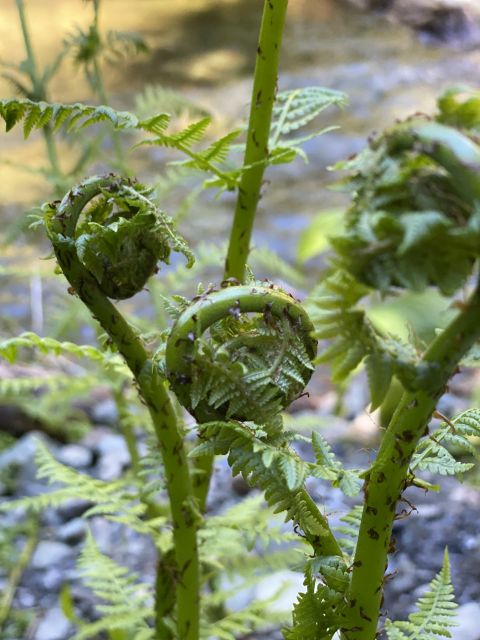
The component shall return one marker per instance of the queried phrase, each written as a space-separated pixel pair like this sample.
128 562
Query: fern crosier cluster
241 353
121 236
415 218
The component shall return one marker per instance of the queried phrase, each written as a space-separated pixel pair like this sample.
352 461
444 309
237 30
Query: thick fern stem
61 229
387 478
256 152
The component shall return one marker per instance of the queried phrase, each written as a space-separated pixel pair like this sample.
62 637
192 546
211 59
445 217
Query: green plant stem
154 393
39 93
387 478
256 152
16 575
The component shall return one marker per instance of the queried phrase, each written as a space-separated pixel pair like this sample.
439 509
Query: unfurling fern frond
122 237
36 115
127 603
223 362
432 453
415 213
435 615
355 339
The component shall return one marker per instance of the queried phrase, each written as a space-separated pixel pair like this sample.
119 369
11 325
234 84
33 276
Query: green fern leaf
36 115
125 599
296 108
431 453
435 615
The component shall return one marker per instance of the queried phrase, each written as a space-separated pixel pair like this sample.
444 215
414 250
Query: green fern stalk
256 156
61 229
256 152
39 94
387 478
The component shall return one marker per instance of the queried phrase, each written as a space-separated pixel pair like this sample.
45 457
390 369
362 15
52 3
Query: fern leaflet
435 615
126 601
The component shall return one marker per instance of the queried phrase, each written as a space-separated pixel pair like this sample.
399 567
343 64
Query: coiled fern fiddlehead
225 363
101 224
236 357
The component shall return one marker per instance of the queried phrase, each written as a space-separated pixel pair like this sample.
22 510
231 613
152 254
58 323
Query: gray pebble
105 412
73 531
74 455
54 626
50 553
468 616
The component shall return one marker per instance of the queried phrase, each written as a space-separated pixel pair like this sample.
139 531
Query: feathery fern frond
126 602
435 615
269 464
36 115
432 454
9 349
254 617
115 500
295 108
334 315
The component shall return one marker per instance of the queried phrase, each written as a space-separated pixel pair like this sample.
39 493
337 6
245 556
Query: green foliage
346 479
125 607
355 339
263 457
415 213
293 110
435 615
123 234
433 454
318 611
37 115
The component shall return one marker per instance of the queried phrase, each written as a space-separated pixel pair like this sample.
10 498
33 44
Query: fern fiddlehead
225 364
235 358
87 249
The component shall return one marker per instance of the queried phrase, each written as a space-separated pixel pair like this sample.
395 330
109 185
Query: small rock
109 467
54 626
105 412
50 553
52 579
468 628
114 456
74 455
73 531
22 453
